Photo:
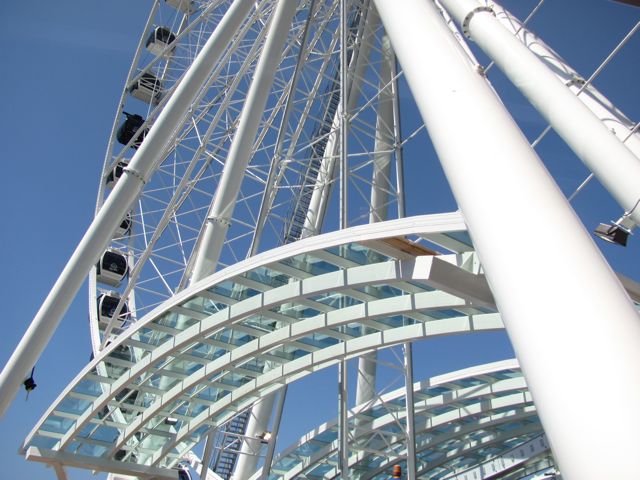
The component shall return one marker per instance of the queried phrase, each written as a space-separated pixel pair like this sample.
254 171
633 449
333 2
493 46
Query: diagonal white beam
496 178
617 168
221 210
127 189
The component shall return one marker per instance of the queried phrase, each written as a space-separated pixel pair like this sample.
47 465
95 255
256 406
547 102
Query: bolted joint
134 174
224 221
467 19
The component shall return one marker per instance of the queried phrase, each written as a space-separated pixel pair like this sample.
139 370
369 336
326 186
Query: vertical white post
571 323
357 65
268 458
380 184
617 168
258 423
343 423
207 454
101 230
397 137
407 350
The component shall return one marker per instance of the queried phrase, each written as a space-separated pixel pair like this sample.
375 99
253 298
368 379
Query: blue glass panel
310 264
73 405
57 424
43 442
92 450
268 277
88 387
327 436
261 322
105 434
204 305
318 340
462 237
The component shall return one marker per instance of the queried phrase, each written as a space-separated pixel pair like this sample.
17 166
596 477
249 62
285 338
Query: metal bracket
135 174
224 221
467 19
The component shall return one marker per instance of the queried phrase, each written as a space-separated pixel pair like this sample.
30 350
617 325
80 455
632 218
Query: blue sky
64 66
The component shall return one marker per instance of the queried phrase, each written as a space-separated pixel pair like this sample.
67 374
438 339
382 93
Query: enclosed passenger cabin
107 304
115 174
159 40
112 268
147 88
124 228
129 130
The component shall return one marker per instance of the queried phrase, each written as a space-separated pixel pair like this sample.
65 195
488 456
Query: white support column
383 147
615 166
223 205
565 287
258 423
61 473
101 230
407 350
221 210
343 423
357 65
397 138
268 458
615 120
207 454
380 184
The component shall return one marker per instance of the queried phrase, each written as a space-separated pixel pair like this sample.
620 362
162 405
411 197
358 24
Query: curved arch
406 287
247 394
498 400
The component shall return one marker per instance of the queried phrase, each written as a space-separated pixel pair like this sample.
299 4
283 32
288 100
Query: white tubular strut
615 166
566 287
366 378
615 120
223 205
101 230
224 202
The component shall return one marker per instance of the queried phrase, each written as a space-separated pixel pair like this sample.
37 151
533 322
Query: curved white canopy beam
494 394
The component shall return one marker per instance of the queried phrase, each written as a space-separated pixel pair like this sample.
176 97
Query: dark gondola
115 174
124 228
112 268
107 303
129 129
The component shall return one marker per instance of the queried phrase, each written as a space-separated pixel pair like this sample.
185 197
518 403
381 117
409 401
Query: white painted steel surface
617 168
219 217
496 176
441 274
160 386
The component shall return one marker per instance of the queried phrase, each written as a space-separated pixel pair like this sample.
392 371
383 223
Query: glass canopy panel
175 367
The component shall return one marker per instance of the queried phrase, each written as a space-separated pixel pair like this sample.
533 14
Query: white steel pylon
285 124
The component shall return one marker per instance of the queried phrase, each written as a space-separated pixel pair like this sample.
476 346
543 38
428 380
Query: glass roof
460 423
216 348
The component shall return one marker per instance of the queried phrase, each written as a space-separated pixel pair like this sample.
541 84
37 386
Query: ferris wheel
290 171
245 127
